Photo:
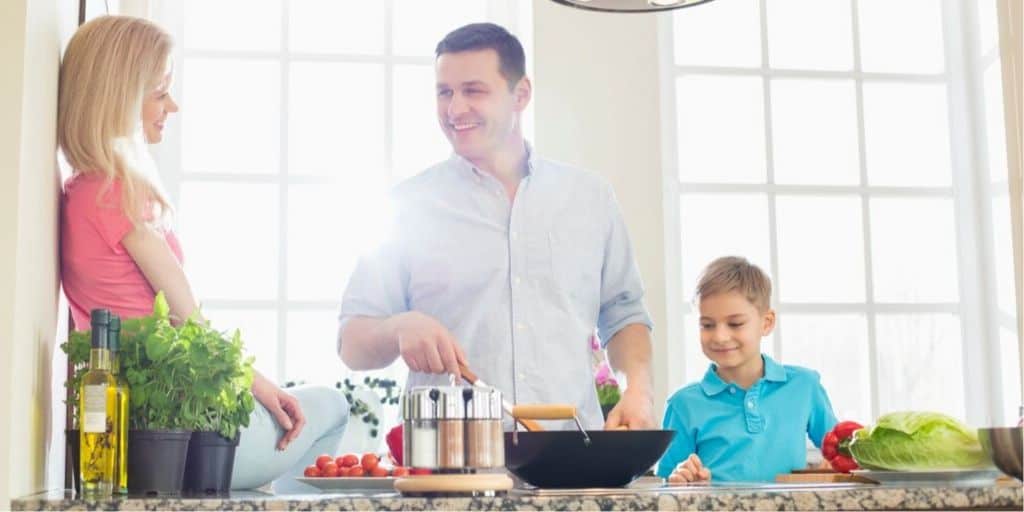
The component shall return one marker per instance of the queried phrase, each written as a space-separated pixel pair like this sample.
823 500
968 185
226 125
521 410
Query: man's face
475 108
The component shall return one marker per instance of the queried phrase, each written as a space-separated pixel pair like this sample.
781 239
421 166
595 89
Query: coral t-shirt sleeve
110 220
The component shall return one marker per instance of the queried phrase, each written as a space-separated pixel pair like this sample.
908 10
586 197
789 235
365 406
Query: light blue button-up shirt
748 435
521 284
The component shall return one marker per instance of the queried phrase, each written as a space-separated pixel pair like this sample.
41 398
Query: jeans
257 460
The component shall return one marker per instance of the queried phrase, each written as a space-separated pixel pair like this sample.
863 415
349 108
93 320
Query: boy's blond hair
736 274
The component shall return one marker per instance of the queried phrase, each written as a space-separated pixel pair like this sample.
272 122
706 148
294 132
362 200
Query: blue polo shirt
748 435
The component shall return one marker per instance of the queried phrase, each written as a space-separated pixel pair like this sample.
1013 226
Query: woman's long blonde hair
109 66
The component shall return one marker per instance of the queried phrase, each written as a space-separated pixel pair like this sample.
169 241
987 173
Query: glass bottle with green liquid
121 422
98 409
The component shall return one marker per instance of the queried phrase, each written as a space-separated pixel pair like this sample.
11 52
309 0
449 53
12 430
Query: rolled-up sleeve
622 290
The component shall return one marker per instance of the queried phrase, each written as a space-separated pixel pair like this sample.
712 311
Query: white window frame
971 192
512 14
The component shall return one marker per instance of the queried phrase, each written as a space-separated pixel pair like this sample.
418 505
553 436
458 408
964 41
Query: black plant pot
74 449
211 458
156 461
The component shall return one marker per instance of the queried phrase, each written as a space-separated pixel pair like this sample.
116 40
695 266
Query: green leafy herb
191 377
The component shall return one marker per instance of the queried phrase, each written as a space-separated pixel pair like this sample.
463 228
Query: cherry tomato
323 459
419 471
329 470
400 471
356 471
370 461
311 471
348 460
379 471
343 471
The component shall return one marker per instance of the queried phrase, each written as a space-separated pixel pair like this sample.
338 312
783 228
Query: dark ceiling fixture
630 5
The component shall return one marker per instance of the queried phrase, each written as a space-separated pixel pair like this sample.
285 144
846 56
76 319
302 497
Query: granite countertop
1004 495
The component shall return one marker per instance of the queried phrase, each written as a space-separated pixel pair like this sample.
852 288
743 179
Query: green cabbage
918 441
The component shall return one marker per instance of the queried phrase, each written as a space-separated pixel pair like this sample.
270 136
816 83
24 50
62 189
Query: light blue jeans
257 460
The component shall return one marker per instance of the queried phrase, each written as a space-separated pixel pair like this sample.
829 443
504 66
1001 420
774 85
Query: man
501 260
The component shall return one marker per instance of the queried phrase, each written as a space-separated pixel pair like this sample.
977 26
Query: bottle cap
114 333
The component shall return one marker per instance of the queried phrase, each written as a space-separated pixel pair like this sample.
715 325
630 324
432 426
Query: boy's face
731 328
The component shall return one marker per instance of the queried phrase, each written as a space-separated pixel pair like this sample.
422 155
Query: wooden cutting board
820 476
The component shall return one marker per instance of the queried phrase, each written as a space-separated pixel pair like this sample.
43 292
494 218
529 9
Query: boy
749 418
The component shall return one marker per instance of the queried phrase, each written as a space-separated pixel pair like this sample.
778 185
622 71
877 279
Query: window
296 118
858 159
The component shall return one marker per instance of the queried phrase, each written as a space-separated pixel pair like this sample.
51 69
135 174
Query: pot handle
544 411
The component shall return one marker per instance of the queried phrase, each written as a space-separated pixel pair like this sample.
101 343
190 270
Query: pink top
96 270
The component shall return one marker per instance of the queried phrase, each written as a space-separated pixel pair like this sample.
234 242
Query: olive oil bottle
121 422
98 413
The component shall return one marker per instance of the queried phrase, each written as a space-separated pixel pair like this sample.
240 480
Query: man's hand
690 470
635 411
426 345
284 407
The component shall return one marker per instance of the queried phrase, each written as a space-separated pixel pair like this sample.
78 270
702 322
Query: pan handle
544 411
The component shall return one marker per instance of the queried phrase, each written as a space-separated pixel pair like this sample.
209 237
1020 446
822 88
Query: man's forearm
366 343
629 352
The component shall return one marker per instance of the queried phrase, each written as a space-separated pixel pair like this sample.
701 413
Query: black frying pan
577 458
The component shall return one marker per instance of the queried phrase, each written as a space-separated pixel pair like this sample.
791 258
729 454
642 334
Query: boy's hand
690 470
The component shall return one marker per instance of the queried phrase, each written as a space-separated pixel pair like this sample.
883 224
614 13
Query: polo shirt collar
712 384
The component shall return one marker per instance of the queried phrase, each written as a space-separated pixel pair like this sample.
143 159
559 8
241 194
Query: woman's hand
690 470
284 407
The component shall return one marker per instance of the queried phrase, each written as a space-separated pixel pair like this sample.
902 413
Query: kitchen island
1006 495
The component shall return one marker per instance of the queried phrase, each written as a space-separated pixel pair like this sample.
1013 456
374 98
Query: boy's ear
768 322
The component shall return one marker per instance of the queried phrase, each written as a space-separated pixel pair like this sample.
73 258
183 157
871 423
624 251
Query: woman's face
155 106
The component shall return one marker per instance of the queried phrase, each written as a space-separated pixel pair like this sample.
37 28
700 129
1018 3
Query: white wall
597 105
29 56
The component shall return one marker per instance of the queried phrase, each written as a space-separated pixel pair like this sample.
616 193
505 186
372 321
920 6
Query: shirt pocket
577 257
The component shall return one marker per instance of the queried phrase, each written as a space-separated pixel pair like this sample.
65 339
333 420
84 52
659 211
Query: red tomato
311 471
400 471
378 471
323 459
343 471
348 460
329 470
419 471
370 461
356 471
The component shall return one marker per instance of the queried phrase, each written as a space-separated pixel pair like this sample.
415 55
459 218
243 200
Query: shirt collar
462 163
712 384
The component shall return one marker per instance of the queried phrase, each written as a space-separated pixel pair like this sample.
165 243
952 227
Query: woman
117 247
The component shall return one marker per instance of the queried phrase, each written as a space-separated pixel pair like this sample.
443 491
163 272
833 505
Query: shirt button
516 279
732 390
750 405
522 376
513 235
520 326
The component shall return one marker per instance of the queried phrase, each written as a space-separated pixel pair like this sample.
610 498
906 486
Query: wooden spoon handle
544 411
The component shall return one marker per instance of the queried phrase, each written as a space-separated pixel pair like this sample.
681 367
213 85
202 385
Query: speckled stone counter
720 497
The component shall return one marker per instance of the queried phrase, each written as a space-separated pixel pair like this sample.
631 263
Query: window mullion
282 183
865 198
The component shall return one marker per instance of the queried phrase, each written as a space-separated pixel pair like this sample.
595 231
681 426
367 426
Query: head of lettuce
918 441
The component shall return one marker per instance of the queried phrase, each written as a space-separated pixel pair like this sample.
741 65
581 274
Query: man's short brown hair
736 274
